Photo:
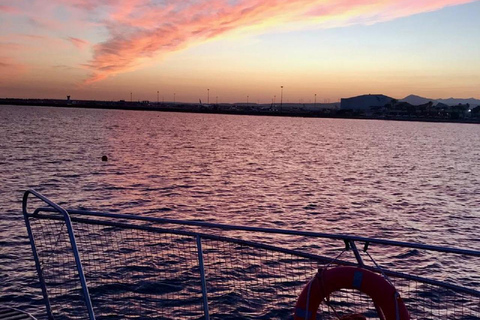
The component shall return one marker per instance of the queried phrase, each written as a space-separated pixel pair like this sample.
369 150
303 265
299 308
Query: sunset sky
105 50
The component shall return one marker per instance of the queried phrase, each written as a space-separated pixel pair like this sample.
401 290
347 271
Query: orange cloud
142 29
10 69
9 63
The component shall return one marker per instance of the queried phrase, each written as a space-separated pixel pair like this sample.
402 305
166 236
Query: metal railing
118 266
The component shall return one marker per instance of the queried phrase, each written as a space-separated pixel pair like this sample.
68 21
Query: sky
234 50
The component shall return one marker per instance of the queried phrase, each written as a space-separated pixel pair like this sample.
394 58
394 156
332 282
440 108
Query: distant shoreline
287 110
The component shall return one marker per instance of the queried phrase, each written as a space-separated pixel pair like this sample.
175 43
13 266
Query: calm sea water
408 181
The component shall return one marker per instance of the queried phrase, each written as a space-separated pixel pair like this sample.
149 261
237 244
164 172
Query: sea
397 180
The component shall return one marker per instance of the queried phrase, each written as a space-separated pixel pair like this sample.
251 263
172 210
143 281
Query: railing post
202 277
356 253
81 274
37 260
73 243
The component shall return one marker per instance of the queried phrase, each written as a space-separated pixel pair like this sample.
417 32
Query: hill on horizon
418 100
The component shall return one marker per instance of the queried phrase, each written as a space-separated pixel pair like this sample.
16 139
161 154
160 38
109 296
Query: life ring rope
397 295
327 297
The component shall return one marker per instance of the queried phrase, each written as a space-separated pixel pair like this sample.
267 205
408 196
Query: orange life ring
383 294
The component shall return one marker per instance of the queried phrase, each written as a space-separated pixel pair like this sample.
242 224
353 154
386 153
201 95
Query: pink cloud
142 29
43 23
79 43
8 9
40 41
8 46
88 5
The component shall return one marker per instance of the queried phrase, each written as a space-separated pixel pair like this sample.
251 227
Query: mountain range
417 100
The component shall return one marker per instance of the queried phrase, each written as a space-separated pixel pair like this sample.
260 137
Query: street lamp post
281 96
315 99
208 96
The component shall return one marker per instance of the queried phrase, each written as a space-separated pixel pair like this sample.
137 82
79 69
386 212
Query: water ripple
397 180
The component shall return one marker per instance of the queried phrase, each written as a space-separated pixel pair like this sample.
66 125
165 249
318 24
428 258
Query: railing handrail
343 237
270 248
176 226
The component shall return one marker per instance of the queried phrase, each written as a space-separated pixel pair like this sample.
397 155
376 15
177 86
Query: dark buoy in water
104 158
